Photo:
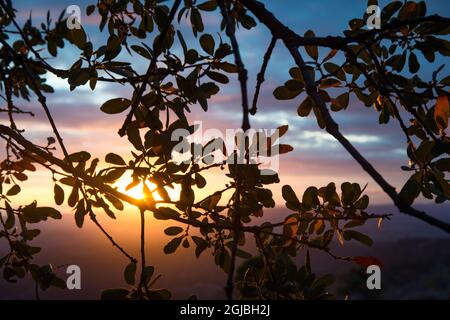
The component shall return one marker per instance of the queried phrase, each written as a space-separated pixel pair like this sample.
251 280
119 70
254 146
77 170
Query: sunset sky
316 160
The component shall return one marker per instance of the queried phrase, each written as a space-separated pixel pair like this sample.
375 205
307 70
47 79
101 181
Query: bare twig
260 245
260 77
142 283
93 217
242 72
242 76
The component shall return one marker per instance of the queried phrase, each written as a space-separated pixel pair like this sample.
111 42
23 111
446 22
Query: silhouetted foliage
379 68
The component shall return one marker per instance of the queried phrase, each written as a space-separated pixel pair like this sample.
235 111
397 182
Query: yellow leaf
379 103
330 55
282 130
259 212
157 149
341 240
404 30
292 224
318 226
442 112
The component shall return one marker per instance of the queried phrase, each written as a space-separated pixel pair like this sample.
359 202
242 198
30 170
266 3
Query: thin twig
260 77
93 217
260 245
41 98
142 247
242 76
242 72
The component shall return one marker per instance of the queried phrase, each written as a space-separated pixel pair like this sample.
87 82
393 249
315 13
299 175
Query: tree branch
157 49
27 42
242 72
41 97
242 76
280 30
332 128
353 59
114 243
260 77
142 246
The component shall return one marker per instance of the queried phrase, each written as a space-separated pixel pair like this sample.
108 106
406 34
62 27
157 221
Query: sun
137 192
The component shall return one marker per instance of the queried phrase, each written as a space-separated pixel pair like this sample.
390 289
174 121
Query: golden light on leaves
340 238
442 112
380 220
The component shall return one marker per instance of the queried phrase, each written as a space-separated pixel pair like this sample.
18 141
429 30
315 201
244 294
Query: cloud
316 156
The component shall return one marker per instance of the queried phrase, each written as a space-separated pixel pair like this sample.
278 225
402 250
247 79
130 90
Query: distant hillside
416 261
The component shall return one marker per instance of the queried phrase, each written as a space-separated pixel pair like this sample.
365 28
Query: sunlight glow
137 192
